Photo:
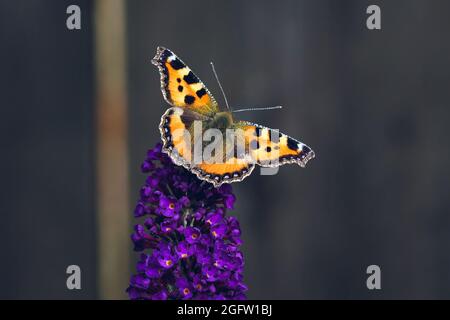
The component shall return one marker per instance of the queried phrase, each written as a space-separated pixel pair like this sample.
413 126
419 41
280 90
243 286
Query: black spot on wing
188 99
177 64
258 131
200 93
292 144
191 78
180 88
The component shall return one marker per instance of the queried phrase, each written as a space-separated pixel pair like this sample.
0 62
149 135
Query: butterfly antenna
257 109
221 89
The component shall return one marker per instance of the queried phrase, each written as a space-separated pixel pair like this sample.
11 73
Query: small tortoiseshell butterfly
192 102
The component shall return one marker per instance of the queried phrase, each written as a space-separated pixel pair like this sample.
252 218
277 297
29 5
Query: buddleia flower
189 247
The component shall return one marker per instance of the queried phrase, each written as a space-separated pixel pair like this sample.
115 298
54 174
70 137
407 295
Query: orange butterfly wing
270 148
180 86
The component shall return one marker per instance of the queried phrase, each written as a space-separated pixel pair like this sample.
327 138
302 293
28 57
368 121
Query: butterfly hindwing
231 171
270 148
180 86
175 122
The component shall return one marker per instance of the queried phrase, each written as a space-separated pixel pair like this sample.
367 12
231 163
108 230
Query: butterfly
193 107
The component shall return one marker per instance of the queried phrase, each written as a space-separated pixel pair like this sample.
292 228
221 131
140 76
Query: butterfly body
195 125
221 120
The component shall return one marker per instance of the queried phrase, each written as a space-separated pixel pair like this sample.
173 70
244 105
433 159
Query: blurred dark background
374 105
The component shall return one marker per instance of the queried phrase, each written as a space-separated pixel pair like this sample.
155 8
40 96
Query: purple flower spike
189 246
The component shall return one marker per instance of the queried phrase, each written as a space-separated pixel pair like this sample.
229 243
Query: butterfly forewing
180 86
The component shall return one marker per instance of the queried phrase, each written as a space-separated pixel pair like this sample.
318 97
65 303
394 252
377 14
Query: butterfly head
222 120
